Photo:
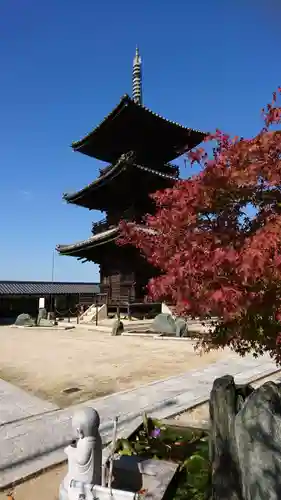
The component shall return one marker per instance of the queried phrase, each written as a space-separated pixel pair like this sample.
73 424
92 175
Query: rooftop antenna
137 78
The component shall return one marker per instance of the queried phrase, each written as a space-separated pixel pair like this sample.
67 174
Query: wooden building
138 146
18 297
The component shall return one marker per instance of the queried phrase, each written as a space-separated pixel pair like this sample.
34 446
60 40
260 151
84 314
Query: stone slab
136 473
29 441
16 404
45 328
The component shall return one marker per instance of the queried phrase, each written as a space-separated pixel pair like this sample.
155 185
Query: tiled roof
125 100
110 172
131 126
46 288
125 161
100 238
156 172
96 238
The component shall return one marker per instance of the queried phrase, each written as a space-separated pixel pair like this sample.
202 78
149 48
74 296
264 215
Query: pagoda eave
148 133
84 197
116 186
89 248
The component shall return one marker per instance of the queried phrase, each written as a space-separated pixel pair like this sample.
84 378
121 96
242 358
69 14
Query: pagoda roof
133 127
97 194
83 249
80 249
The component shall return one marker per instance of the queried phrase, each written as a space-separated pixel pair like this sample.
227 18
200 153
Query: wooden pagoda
138 145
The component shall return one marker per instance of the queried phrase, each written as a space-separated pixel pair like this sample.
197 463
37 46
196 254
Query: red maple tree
216 238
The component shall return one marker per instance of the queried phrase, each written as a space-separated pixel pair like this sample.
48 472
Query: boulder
181 327
258 441
167 324
226 481
42 314
164 323
24 320
46 322
117 328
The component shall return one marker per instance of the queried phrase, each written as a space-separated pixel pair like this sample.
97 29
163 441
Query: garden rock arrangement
27 321
168 325
245 441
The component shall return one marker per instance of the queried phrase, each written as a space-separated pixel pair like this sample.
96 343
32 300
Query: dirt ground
45 362
43 487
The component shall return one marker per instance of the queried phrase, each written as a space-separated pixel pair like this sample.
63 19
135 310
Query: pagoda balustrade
101 226
112 220
104 225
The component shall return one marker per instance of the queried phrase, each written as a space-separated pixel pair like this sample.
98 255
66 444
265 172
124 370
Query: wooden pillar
68 306
107 303
129 314
118 311
97 310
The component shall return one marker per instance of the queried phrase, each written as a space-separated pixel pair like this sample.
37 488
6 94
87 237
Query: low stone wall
245 441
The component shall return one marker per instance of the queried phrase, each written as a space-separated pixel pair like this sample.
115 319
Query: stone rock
46 322
258 440
181 327
42 314
51 315
226 483
117 328
164 323
24 320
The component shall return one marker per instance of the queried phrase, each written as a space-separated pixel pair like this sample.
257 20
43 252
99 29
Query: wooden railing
105 224
100 226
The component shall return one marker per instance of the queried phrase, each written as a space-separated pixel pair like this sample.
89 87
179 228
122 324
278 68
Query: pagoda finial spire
137 78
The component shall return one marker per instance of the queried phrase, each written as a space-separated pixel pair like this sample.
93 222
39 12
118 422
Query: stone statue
84 456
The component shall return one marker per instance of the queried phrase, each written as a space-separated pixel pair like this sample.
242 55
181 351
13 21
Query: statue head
85 422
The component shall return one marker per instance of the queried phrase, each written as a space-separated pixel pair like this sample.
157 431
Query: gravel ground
46 362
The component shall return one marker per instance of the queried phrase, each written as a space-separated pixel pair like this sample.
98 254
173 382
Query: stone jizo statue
84 456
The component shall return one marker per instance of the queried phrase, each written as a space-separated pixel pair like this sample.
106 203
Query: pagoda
138 146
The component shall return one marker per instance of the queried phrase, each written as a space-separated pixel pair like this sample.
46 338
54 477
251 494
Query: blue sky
65 64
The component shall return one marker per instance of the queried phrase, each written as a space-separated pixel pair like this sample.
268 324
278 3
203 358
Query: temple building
138 146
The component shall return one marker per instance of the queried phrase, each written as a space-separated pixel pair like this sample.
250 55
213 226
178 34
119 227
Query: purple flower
156 432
